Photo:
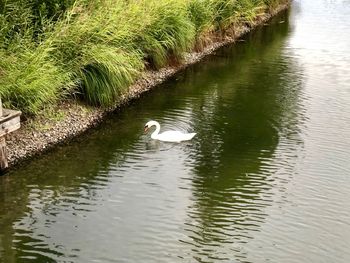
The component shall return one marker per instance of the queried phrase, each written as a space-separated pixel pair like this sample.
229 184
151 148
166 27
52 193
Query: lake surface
266 179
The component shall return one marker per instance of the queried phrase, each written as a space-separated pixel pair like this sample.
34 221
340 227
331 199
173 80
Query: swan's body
168 136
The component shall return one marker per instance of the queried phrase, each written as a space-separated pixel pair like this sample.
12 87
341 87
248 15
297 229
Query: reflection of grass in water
256 87
98 48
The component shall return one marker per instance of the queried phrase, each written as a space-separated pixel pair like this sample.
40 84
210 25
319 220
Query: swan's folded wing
175 136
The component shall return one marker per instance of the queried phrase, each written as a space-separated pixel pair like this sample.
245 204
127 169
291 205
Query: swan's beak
146 129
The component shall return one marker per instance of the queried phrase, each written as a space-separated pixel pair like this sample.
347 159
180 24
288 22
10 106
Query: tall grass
31 80
107 72
168 33
95 43
201 13
97 48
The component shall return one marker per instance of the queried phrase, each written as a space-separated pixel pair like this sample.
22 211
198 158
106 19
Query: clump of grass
23 21
95 43
201 13
107 72
249 9
168 32
109 43
16 25
31 80
225 13
51 48
231 12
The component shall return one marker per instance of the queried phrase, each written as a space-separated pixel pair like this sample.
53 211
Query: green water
266 179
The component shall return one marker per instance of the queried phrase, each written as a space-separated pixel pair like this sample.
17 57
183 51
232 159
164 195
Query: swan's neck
156 132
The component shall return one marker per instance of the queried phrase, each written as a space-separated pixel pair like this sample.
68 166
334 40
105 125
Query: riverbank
72 118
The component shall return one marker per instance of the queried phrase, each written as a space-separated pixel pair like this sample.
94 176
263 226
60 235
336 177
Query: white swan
168 136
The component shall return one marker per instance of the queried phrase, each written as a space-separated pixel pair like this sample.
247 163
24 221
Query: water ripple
265 178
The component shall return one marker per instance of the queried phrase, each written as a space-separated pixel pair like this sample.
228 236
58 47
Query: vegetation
94 49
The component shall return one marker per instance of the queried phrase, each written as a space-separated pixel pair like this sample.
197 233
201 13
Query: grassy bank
92 50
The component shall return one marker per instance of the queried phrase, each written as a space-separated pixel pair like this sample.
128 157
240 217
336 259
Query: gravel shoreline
71 118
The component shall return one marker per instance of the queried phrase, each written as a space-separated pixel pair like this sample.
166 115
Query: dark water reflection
265 179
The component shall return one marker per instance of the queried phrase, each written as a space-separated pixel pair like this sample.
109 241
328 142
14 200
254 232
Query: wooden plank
9 122
10 126
8 114
3 154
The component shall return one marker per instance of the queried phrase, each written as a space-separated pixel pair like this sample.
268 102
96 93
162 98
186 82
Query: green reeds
201 13
97 48
95 42
107 72
168 33
31 80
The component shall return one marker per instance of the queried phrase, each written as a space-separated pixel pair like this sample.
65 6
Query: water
265 179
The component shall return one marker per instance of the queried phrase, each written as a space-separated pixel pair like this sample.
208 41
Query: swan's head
150 124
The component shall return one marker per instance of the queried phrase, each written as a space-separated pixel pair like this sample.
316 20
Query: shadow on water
243 102
68 176
240 124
